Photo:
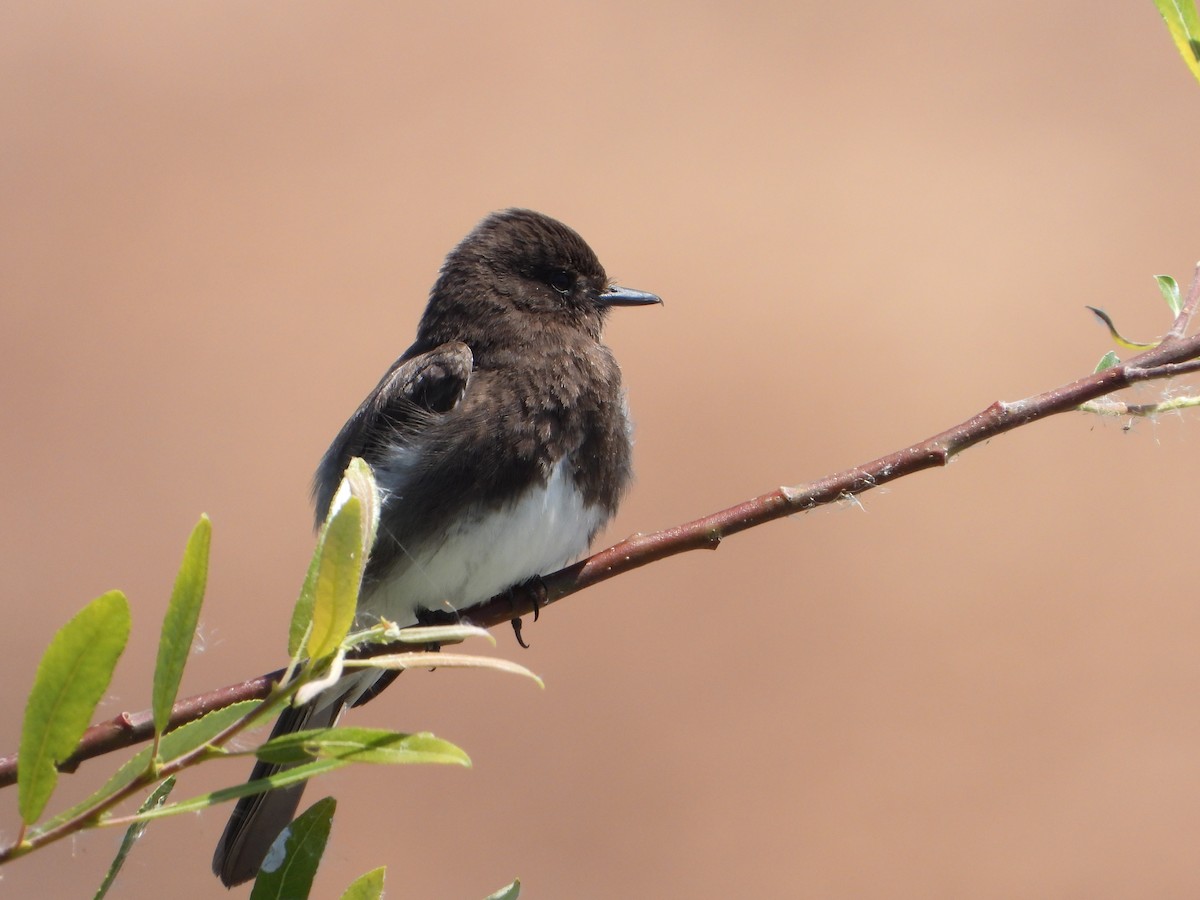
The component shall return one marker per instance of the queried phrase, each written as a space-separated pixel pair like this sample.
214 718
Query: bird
500 442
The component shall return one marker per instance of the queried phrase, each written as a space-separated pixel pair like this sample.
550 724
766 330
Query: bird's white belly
484 553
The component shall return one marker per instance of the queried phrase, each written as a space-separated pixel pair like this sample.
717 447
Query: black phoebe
500 443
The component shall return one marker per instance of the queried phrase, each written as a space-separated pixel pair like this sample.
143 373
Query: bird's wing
418 387
434 381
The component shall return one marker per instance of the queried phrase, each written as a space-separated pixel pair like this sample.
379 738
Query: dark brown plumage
500 442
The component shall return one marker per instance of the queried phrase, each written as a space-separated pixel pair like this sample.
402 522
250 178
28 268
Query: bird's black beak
619 296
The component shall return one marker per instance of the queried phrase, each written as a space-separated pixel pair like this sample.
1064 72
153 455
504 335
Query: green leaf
175 743
303 611
511 892
156 799
428 634
1119 339
367 745
358 484
1170 292
1107 361
339 573
429 660
179 624
291 864
71 678
186 738
203 801
366 887
1184 25
360 481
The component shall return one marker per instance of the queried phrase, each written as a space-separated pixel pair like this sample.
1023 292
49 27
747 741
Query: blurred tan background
220 224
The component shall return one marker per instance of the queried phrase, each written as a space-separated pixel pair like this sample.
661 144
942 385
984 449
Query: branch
1176 355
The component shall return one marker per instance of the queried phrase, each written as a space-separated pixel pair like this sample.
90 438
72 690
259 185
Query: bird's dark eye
562 281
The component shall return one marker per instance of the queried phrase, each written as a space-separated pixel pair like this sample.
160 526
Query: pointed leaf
366 887
179 624
428 660
358 484
71 678
1107 361
302 613
1184 25
186 738
203 801
338 578
156 799
291 864
1170 292
441 634
360 481
511 892
1119 339
175 743
368 745
385 632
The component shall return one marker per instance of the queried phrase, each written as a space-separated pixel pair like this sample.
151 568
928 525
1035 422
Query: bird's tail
258 819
